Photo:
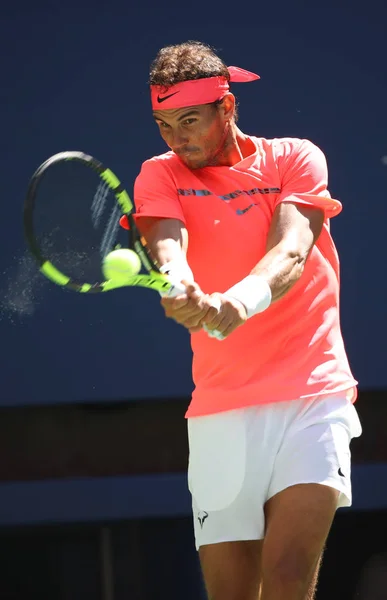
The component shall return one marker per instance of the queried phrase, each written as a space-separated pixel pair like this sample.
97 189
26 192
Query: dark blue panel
140 497
75 78
94 499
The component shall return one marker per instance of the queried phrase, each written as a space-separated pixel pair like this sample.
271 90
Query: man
244 223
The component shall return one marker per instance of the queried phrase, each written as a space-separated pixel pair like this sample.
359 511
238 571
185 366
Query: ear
228 106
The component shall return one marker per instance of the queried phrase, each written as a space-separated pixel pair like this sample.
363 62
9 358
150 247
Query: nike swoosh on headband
166 97
198 91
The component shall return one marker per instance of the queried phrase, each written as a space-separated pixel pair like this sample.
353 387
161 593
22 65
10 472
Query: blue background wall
74 77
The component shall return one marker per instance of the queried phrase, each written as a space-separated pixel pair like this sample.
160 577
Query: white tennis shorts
241 458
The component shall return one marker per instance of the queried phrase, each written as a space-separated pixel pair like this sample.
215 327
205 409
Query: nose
178 140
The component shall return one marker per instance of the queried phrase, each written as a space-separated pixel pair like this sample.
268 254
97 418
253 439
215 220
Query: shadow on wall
373 579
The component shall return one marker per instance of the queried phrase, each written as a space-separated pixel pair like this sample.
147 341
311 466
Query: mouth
187 152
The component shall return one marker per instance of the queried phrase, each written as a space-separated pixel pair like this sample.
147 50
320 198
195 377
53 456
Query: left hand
231 315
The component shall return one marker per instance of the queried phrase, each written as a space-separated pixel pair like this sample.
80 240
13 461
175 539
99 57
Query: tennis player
244 222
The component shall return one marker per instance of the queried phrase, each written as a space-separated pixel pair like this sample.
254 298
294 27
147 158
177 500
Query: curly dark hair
182 62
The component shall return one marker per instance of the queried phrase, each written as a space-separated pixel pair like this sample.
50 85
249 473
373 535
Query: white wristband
253 292
176 270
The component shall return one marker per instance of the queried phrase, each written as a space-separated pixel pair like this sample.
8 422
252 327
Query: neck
234 147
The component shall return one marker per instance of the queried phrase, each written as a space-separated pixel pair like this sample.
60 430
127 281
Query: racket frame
154 280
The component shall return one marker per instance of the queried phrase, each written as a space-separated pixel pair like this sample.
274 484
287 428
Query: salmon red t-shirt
294 349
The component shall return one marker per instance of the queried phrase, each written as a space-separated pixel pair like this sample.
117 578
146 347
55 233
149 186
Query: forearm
271 278
166 251
167 239
293 231
281 267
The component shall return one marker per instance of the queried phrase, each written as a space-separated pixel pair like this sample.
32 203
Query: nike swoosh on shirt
160 100
242 211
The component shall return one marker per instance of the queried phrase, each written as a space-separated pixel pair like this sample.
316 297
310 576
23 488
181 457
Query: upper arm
296 227
159 214
155 192
304 202
303 175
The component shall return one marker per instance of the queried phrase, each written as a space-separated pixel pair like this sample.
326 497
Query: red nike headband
197 91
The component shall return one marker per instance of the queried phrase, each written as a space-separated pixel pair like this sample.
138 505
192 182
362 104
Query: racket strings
73 214
110 233
99 202
76 221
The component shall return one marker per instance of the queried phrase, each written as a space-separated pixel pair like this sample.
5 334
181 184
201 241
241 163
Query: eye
163 125
189 121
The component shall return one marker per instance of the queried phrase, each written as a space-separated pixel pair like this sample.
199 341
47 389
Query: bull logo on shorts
202 516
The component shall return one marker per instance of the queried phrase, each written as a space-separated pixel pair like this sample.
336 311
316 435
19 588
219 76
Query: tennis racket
76 211
72 215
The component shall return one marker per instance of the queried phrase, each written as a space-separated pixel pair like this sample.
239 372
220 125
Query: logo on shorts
340 472
202 516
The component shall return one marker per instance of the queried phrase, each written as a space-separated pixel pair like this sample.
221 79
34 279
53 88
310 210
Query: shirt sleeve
304 177
155 193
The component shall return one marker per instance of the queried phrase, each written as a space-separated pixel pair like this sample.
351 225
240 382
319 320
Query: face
197 134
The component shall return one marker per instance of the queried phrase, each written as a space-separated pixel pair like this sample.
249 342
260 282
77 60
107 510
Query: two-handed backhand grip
180 288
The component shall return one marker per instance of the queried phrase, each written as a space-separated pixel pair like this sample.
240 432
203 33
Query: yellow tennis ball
121 264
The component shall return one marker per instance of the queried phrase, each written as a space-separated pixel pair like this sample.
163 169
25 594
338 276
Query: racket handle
214 334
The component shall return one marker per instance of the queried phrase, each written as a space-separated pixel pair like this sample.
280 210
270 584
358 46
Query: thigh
231 570
301 516
311 478
298 521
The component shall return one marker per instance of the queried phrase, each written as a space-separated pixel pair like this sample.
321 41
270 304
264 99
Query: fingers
197 323
192 290
190 308
195 329
196 310
210 307
223 325
189 316
217 315
231 315
175 303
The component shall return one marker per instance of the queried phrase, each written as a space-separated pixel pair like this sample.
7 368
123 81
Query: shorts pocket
217 458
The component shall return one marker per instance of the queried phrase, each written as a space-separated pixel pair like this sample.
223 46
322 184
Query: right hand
231 314
191 308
